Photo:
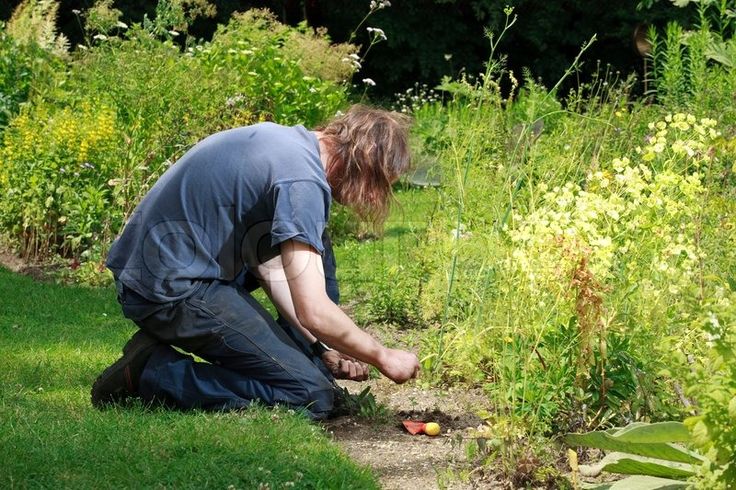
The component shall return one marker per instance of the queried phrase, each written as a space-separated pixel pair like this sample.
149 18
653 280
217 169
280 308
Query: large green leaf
641 439
723 52
628 464
665 469
640 483
657 432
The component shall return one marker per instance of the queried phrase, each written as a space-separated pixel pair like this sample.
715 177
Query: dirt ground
405 461
12 262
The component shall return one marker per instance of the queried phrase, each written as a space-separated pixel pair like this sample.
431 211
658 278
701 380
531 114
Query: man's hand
345 367
398 365
326 321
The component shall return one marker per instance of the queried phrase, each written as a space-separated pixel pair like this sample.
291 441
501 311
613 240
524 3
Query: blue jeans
249 356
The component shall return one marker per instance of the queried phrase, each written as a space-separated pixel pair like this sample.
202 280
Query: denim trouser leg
251 357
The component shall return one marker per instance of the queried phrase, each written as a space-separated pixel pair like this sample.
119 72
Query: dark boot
120 381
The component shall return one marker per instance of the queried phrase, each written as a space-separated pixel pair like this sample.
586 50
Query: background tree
428 39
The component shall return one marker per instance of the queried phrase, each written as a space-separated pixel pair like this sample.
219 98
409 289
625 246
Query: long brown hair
369 150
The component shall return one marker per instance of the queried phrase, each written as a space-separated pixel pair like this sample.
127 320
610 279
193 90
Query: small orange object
415 427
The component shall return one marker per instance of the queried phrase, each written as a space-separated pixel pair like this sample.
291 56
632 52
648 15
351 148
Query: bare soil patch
405 461
11 261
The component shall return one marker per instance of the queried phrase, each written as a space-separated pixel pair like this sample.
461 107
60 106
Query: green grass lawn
54 341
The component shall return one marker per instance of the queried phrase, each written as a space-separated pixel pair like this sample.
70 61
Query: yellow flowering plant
54 166
639 217
627 238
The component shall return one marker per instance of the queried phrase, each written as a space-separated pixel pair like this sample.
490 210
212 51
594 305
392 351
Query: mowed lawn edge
54 341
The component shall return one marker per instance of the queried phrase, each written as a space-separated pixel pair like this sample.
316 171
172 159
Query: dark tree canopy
431 38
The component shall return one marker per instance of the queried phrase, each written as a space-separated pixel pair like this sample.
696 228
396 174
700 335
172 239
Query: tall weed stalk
465 149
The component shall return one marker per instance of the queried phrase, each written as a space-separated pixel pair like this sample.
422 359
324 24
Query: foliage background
548 34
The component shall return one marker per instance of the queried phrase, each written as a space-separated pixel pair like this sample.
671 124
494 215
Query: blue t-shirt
226 204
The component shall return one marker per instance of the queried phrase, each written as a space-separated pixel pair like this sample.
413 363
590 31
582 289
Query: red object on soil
414 427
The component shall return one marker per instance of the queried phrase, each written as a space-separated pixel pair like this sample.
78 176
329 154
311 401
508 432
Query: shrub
694 68
22 66
278 66
34 22
57 162
97 134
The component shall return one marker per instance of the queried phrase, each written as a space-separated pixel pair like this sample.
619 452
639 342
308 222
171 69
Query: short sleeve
301 210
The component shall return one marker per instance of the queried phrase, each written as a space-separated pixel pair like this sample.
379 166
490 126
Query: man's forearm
332 326
322 317
279 294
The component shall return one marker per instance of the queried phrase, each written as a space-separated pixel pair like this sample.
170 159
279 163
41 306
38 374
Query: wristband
318 348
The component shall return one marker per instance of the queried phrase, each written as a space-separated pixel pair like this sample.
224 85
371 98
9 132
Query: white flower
377 33
369 82
353 59
380 4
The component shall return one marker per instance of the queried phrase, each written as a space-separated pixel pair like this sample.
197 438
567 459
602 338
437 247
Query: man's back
229 200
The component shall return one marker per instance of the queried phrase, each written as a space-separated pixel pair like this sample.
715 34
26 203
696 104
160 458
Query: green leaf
641 483
637 439
657 432
628 464
646 466
722 52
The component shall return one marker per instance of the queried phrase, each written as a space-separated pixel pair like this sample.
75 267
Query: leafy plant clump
96 134
712 382
576 245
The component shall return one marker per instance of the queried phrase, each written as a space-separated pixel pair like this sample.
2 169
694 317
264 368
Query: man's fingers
354 371
349 368
343 368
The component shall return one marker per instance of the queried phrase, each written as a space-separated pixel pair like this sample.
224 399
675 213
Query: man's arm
314 310
273 281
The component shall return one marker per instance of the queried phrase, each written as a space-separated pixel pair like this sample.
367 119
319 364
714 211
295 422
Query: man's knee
319 399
